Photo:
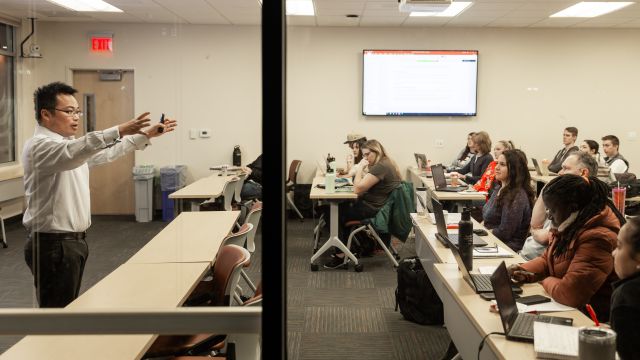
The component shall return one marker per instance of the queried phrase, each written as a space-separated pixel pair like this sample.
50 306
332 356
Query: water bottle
237 156
330 183
465 239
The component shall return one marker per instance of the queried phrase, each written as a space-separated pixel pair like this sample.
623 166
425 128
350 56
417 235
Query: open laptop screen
421 161
504 296
438 176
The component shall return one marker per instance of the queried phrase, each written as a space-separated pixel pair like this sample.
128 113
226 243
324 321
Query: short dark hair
593 145
587 161
614 139
46 96
572 130
634 233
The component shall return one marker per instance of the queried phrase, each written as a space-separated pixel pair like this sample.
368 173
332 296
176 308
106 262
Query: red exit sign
101 44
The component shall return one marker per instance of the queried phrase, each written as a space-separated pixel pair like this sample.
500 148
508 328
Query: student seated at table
252 186
577 163
625 301
486 181
372 189
474 169
614 160
569 137
591 147
354 159
464 155
508 211
577 267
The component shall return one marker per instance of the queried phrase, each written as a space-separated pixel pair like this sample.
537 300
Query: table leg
333 238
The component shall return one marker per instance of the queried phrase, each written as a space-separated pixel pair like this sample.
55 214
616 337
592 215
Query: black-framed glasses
71 112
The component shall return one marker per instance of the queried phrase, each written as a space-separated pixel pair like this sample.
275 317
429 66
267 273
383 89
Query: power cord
485 338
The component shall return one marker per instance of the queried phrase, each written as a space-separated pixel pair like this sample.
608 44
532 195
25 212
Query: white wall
205 76
585 78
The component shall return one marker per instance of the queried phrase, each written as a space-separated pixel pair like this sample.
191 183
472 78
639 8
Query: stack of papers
490 252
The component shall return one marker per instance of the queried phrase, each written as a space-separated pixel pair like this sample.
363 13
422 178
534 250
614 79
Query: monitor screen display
419 82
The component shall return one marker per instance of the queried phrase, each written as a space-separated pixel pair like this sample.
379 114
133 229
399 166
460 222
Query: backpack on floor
415 295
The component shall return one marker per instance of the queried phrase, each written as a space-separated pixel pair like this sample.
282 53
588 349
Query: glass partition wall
146 253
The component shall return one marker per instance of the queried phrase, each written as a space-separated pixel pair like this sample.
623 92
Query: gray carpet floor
344 314
331 313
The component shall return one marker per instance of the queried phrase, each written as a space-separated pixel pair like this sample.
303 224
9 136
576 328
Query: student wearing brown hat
354 159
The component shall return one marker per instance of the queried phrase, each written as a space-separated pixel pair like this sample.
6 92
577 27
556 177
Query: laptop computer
421 161
516 326
481 283
537 167
442 235
440 181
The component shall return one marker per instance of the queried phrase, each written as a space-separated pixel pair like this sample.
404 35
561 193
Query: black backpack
415 295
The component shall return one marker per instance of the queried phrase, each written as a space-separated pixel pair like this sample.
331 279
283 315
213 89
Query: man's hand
168 126
134 126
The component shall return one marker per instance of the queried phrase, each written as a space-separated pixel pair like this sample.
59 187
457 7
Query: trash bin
172 178
143 180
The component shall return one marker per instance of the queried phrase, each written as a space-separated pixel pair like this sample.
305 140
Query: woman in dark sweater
474 169
508 211
625 300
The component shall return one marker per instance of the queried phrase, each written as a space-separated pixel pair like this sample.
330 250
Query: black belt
60 236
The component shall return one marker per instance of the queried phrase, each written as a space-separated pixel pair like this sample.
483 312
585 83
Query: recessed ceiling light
86 5
454 9
300 7
587 9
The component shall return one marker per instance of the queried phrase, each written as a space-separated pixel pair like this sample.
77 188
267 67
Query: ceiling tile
194 11
337 21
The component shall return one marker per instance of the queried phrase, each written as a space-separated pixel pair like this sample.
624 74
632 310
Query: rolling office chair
239 238
392 219
222 202
220 290
291 183
238 189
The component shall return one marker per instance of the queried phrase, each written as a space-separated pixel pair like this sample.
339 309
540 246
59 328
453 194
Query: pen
528 273
592 314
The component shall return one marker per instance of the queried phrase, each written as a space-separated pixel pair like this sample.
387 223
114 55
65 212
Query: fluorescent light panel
587 9
454 9
300 7
86 5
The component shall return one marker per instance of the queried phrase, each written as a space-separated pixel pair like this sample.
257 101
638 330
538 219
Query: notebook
551 341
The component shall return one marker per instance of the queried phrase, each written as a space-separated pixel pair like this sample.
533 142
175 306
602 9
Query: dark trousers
353 211
57 265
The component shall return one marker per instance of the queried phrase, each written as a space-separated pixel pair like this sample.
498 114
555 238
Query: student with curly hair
577 267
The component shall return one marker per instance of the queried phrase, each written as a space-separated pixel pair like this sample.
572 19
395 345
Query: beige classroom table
190 237
203 189
334 199
466 313
468 318
130 286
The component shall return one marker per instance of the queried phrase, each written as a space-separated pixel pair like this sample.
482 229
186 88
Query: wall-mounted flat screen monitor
419 82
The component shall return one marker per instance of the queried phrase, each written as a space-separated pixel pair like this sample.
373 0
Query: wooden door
107 103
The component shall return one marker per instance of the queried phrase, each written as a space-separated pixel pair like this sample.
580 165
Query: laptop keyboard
483 282
523 326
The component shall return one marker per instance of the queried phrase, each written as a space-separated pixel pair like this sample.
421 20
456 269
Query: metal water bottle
465 239
237 156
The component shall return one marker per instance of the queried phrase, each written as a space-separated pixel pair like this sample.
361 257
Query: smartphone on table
533 299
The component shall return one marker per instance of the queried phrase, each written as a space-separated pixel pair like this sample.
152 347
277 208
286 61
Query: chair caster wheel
358 267
314 267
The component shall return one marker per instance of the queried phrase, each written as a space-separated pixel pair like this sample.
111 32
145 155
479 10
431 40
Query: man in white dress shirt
56 179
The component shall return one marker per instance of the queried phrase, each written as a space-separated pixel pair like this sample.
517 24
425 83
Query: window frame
14 63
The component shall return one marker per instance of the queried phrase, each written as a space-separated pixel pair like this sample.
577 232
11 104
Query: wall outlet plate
205 133
439 143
